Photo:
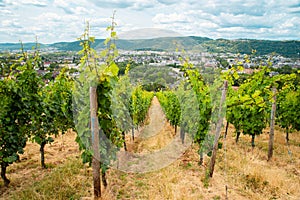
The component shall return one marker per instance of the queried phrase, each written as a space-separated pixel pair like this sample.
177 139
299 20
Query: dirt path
156 145
157 120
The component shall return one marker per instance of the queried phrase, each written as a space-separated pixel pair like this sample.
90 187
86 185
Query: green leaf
114 69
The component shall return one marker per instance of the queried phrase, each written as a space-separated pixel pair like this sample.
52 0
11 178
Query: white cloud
38 3
144 4
170 18
49 17
81 10
35 2
62 3
233 19
63 20
168 2
6 13
148 33
114 4
10 2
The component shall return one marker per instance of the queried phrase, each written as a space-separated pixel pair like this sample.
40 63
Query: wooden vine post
272 124
95 142
218 130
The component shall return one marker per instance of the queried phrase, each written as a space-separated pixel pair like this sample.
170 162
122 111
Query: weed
217 197
206 179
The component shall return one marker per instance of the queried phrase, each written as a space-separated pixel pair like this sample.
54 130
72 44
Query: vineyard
245 171
99 135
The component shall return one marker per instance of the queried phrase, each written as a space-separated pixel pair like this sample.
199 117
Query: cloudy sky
64 20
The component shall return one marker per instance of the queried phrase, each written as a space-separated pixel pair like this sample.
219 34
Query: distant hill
75 46
263 47
17 46
284 48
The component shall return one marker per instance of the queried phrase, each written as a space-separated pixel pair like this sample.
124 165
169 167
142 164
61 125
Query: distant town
53 61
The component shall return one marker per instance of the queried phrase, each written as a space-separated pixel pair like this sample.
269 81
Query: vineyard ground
246 172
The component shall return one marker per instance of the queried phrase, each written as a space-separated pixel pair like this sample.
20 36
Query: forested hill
285 48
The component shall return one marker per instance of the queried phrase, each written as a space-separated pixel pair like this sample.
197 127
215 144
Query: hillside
263 47
284 48
244 171
17 46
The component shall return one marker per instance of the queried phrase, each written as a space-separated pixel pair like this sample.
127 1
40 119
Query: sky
64 20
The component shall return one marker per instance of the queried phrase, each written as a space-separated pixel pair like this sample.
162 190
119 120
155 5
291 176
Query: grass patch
206 179
64 182
255 182
217 197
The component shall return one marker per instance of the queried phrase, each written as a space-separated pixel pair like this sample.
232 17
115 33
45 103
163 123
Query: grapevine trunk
238 133
287 135
3 173
42 151
252 141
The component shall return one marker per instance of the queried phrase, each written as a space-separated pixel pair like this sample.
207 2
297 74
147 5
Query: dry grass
245 172
69 181
249 172
28 173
